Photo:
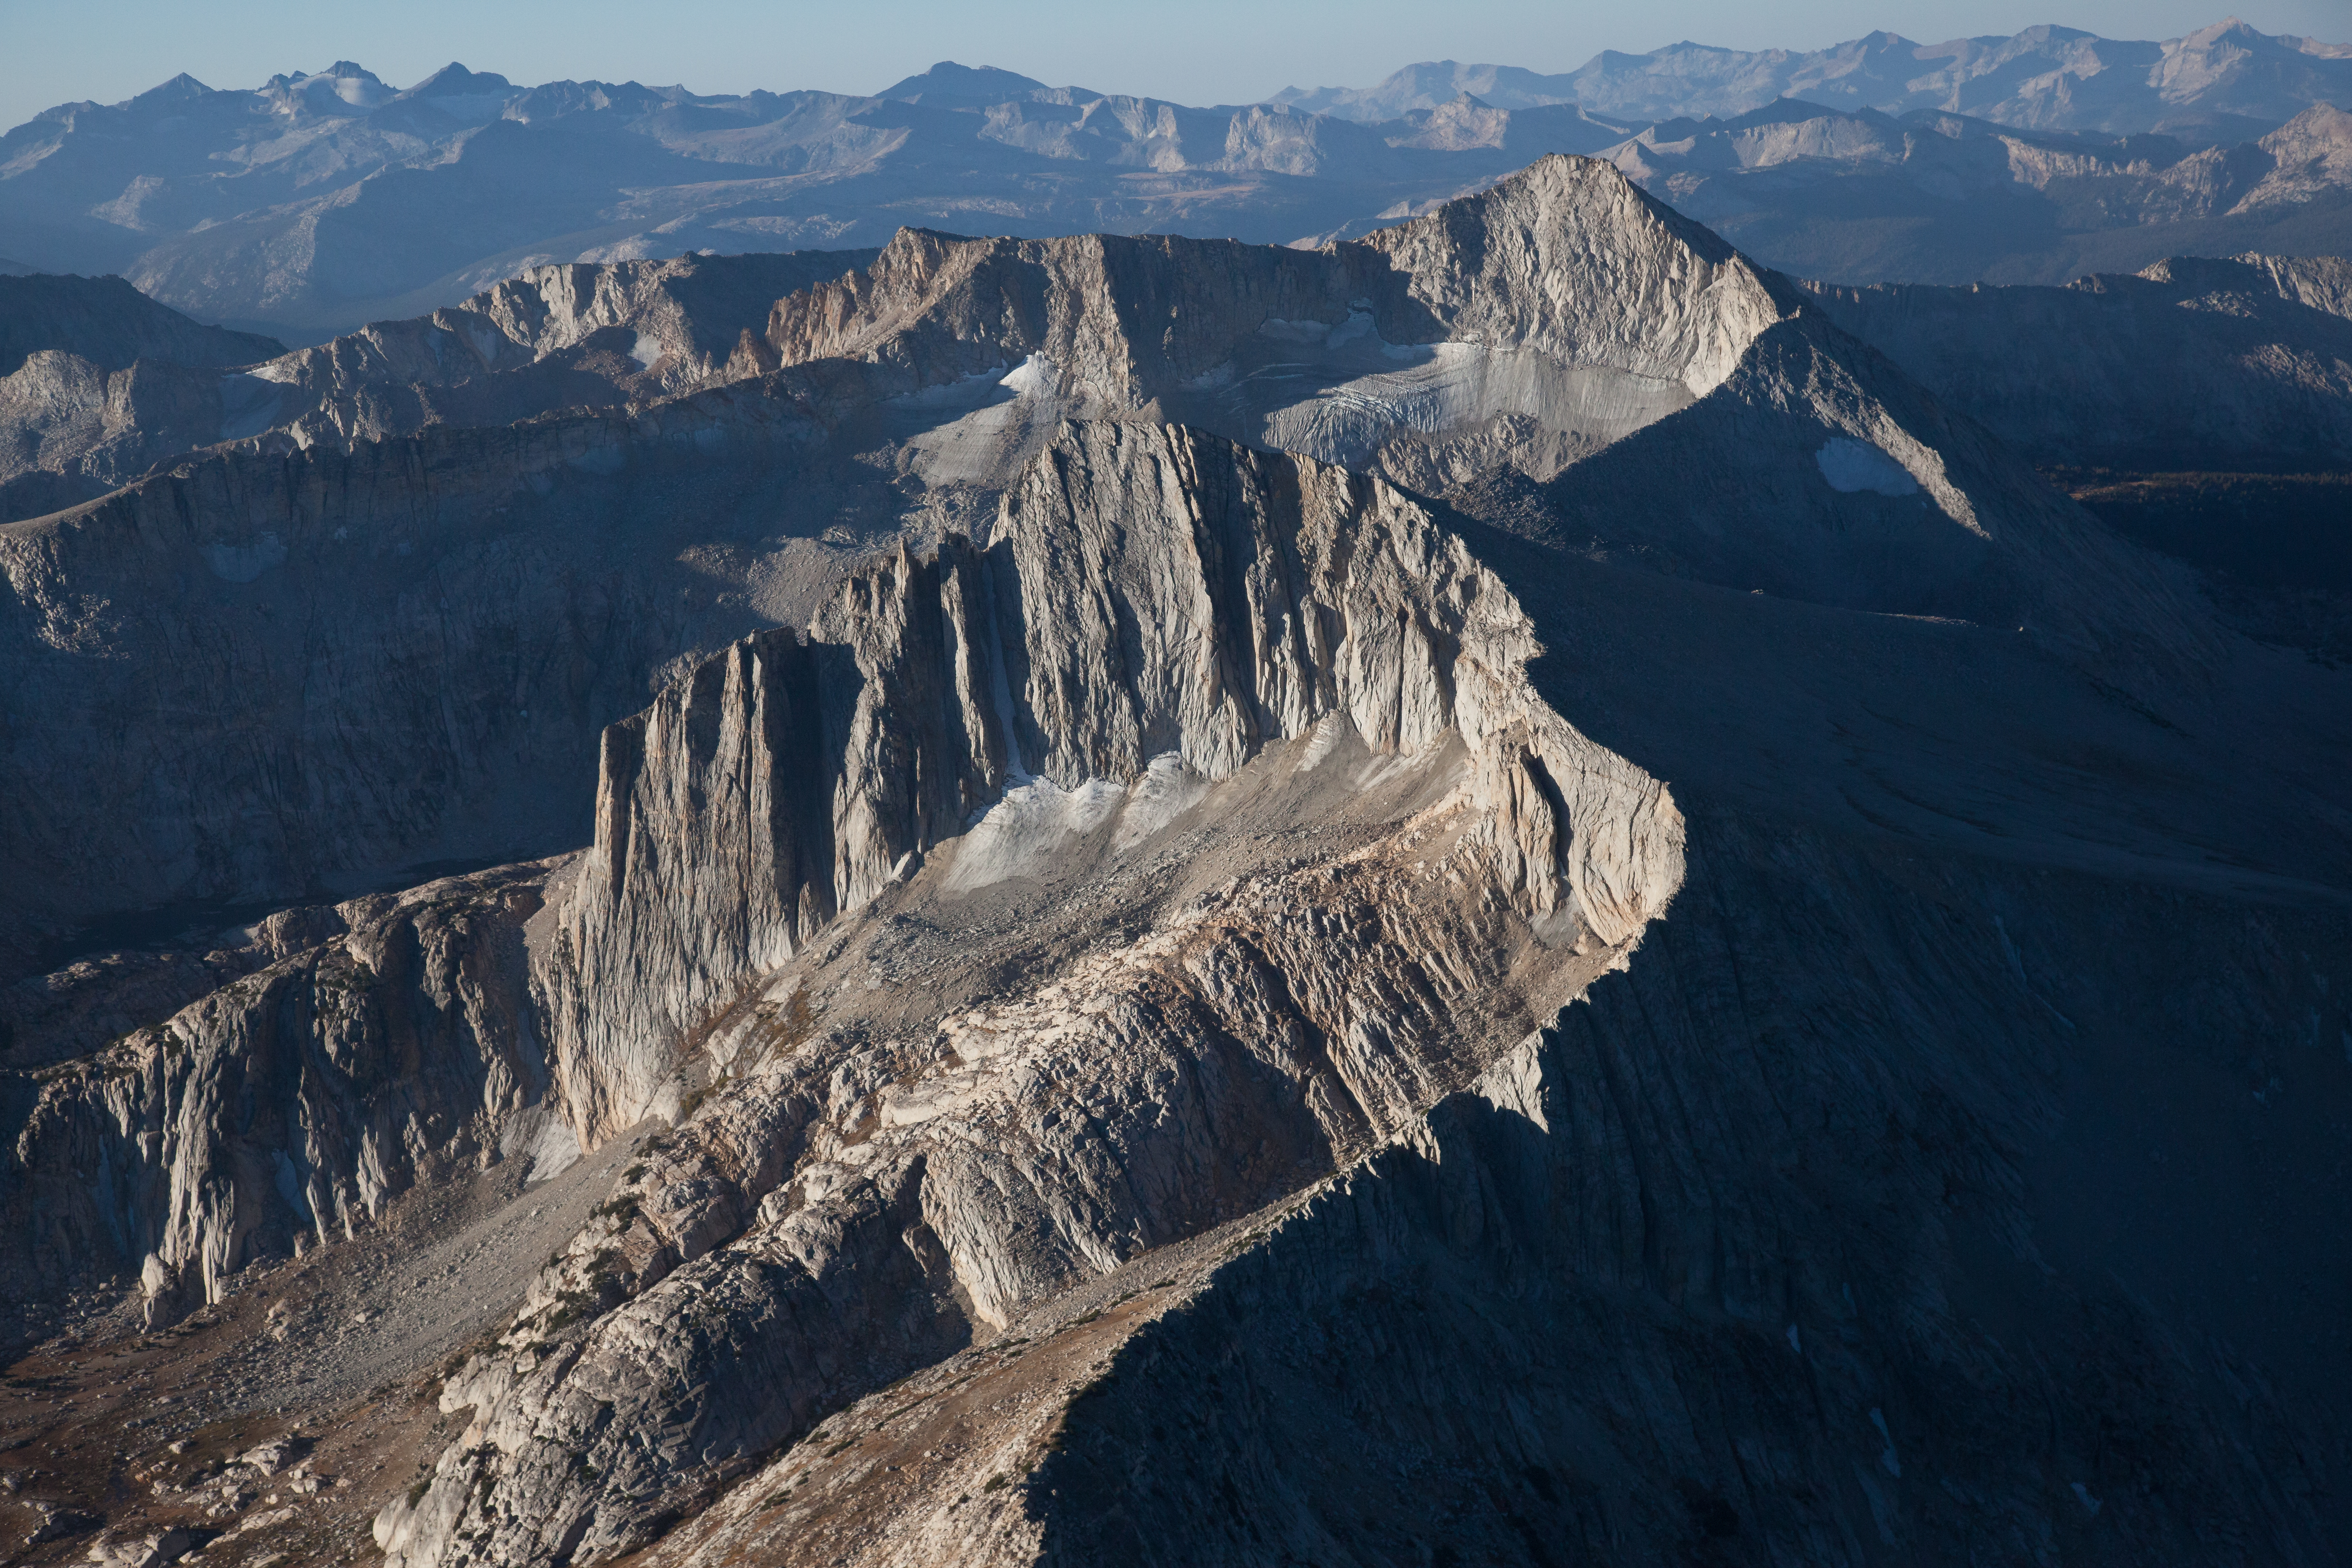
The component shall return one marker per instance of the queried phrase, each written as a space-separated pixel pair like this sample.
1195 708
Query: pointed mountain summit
181 88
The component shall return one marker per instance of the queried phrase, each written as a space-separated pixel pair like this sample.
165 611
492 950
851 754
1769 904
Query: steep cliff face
1169 641
1680 409
1048 954
1750 1255
1149 593
1560 329
350 664
394 1043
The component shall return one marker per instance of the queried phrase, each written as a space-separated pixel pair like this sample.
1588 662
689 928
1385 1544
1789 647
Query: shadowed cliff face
390 1042
354 663
1152 601
1172 969
1166 637
2258 353
1765 1259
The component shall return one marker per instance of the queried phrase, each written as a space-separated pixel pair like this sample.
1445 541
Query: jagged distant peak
182 86
948 82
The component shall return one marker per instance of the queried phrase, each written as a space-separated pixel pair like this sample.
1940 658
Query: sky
1199 51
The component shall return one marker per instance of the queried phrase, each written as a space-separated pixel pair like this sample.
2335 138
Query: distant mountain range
2226 81
316 203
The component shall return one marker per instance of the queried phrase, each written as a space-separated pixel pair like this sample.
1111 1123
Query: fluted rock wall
287 1109
848 1210
1148 592
255 675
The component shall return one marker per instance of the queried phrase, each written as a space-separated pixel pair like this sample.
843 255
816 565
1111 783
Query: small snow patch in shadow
1851 466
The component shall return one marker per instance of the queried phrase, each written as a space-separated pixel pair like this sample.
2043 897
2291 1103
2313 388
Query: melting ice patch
1022 832
1852 466
1033 377
964 391
1025 830
248 403
1166 791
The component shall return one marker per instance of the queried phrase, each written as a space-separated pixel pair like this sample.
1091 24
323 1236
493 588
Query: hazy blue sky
1204 51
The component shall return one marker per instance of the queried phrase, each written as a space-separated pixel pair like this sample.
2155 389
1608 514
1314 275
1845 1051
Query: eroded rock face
1687 1330
578 335
1148 592
1563 298
108 384
1059 938
1561 329
421 639
1155 607
397 1045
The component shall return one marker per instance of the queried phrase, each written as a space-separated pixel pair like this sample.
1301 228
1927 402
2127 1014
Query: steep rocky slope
1209 1006
1408 348
97 381
576 557
1185 651
390 1042
2257 354
550 338
555 338
1560 327
1628 1225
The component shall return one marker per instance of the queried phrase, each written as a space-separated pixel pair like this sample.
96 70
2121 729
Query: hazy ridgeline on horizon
322 200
